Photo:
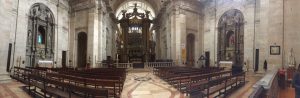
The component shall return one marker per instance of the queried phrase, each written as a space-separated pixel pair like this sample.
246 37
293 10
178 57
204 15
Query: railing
258 92
270 86
118 65
123 65
159 64
130 65
100 65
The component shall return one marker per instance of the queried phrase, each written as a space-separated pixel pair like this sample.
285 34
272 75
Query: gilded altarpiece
136 44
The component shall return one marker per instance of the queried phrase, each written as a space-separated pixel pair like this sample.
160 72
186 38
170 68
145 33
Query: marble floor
143 84
157 88
150 87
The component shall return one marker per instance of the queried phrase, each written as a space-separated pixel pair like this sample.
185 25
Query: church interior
149 49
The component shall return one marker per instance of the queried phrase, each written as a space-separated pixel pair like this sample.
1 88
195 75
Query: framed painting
274 50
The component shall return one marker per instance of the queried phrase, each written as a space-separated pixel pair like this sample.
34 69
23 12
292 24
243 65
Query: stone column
92 51
179 39
100 29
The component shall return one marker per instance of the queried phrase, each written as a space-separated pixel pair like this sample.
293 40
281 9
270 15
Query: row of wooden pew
200 83
72 83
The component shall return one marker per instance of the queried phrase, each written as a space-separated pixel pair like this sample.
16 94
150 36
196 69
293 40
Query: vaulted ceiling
156 4
114 5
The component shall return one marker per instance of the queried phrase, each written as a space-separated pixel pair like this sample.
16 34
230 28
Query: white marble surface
267 80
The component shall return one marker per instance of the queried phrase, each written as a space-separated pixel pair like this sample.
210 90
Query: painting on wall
274 50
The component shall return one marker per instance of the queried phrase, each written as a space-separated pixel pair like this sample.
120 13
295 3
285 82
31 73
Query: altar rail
118 65
124 65
146 64
159 64
270 86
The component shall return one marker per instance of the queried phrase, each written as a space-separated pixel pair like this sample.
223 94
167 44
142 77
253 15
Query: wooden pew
51 87
112 85
61 85
183 83
223 86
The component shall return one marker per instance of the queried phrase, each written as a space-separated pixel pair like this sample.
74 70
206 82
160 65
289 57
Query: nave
173 82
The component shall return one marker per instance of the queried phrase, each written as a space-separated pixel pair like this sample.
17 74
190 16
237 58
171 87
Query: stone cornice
88 4
60 4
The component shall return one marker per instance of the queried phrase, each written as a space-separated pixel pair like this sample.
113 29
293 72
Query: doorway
82 50
190 47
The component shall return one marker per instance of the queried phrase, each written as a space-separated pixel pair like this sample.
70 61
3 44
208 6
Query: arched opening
82 50
40 35
190 47
231 37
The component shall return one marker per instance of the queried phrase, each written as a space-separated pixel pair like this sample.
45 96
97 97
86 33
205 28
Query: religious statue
231 40
291 59
265 65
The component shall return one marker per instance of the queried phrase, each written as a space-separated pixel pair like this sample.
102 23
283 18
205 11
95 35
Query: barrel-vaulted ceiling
155 4
114 5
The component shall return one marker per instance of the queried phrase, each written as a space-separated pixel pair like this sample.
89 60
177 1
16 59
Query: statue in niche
29 36
229 56
231 40
38 13
33 12
291 59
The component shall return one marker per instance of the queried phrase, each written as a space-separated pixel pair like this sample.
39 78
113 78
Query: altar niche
136 44
40 35
231 37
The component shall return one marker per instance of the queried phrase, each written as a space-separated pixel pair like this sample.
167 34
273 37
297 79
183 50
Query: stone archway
40 35
82 50
190 49
231 37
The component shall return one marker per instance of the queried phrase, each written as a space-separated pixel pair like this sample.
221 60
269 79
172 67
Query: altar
45 63
226 64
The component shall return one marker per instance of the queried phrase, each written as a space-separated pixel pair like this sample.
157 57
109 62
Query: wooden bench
52 83
222 86
183 83
51 87
112 85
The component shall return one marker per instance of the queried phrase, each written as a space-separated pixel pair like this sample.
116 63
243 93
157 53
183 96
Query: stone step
5 78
